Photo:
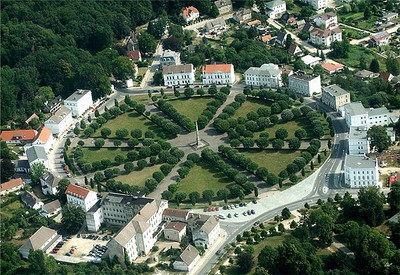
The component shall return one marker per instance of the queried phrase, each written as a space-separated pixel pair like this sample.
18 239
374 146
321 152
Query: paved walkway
343 248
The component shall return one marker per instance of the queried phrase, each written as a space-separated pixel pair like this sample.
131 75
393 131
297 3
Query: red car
169 87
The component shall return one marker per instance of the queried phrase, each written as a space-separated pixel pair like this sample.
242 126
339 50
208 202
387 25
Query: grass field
142 70
202 177
192 107
355 54
9 210
129 120
138 177
93 154
290 126
251 104
274 160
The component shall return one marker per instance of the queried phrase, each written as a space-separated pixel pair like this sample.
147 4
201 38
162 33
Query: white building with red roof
380 39
44 139
18 136
190 14
81 196
219 74
11 186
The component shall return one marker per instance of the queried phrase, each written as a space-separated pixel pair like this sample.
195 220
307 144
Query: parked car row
97 251
210 209
58 247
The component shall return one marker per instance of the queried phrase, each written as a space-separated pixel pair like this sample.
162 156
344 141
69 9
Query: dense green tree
374 66
147 43
194 197
122 68
72 218
379 139
7 169
393 197
281 133
37 170
371 205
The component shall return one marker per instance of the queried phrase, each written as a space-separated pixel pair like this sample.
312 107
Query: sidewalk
210 252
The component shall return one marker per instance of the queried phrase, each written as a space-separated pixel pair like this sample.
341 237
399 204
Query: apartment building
360 171
60 121
81 196
358 141
218 74
335 97
224 6
170 58
357 115
325 37
378 116
79 102
49 184
306 85
275 9
95 217
268 75
176 75
326 20
205 233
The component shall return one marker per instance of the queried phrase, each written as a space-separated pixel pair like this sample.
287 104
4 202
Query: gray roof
21 163
188 255
378 111
265 69
50 179
359 162
39 238
355 109
390 14
303 76
281 37
222 3
52 206
210 224
29 199
125 199
36 152
274 3
95 207
78 94
175 69
215 23
357 132
60 114
363 73
334 90
125 234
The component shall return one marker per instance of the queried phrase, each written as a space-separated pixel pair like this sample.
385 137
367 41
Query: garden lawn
137 177
202 177
251 104
192 107
355 54
291 127
130 120
142 70
93 154
274 160
9 210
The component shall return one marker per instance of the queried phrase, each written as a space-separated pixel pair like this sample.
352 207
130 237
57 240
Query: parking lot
240 209
81 247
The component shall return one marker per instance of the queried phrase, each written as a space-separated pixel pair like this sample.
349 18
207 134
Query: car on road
252 211
236 215
197 86
254 201
249 212
244 213
206 86
169 87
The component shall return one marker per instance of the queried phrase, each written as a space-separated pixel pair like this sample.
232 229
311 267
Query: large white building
325 37
44 139
176 75
268 75
139 235
275 8
360 171
358 141
60 121
357 115
304 84
94 217
79 102
317 4
81 196
335 97
218 74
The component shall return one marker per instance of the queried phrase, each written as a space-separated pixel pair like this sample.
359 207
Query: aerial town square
200 137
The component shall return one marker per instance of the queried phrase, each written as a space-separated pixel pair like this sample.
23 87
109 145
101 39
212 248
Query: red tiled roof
254 22
23 135
11 184
266 38
44 135
134 55
175 213
332 67
212 68
178 226
188 10
77 191
385 76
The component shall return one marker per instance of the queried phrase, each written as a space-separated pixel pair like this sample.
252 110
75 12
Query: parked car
252 211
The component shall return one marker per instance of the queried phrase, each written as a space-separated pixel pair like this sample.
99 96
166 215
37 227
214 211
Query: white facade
268 75
380 39
335 97
275 9
37 154
218 74
60 121
176 75
49 184
378 116
79 102
326 20
207 234
358 141
94 217
81 197
325 37
357 115
190 14
170 58
303 84
45 139
360 171
317 4
187 260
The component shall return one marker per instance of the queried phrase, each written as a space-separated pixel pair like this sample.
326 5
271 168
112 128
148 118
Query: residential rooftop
265 69
334 90
355 109
357 132
378 111
358 162
78 94
303 76
176 69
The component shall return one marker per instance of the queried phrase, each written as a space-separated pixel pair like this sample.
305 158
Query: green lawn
274 160
355 54
251 104
9 210
290 126
142 70
357 20
202 177
94 154
130 120
138 177
192 107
